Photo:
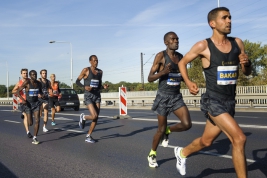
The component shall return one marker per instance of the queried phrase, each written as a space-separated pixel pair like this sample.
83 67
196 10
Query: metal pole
71 68
142 71
7 82
218 3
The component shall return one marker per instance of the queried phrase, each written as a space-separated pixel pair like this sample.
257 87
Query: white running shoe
165 140
89 139
152 162
45 130
181 162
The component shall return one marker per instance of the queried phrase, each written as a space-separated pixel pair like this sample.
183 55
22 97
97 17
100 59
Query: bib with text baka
94 83
174 79
226 75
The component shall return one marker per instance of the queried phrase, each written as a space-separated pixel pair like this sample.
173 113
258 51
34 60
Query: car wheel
62 109
77 108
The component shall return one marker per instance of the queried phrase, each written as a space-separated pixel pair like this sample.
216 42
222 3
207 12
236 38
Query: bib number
174 79
94 83
227 75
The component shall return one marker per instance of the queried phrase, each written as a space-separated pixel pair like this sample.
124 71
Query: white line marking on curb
12 121
216 154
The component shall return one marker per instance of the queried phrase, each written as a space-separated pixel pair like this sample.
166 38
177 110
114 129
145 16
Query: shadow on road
129 134
5 172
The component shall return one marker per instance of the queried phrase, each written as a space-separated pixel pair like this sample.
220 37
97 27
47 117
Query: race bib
33 92
226 75
94 83
174 79
45 92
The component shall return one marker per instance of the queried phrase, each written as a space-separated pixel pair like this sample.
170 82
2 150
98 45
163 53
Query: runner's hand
167 69
88 88
243 58
105 86
193 88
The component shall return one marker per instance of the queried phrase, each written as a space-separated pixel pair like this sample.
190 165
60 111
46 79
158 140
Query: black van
69 99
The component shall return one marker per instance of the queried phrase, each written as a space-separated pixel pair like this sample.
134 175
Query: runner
221 58
168 99
92 77
54 96
44 107
31 104
24 76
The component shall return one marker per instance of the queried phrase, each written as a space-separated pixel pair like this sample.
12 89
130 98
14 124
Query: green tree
63 85
195 72
258 56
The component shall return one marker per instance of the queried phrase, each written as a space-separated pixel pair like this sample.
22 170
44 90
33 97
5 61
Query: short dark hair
24 69
32 71
167 34
43 70
213 13
90 58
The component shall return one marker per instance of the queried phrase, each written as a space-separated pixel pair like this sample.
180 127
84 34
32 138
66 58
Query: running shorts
164 104
90 98
216 104
46 100
53 101
30 107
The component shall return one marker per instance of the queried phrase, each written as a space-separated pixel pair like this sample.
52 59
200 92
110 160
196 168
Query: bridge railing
245 95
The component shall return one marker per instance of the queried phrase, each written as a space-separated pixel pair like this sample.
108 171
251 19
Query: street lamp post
71 68
7 84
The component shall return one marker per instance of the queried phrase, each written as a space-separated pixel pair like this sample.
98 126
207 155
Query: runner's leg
238 139
185 124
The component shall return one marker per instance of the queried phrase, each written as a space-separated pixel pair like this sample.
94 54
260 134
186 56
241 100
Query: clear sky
117 31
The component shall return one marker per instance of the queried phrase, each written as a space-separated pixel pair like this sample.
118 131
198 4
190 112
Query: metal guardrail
246 96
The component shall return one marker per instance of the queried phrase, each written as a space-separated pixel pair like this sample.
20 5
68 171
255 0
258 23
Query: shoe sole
35 143
151 165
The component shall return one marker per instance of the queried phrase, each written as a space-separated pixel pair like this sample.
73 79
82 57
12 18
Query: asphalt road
122 147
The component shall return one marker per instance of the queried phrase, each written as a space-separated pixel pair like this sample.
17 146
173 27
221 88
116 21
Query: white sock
28 132
34 137
84 118
88 135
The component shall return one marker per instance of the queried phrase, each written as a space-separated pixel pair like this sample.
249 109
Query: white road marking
12 121
203 123
71 130
216 154
248 117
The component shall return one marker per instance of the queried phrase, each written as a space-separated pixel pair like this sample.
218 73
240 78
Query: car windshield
68 92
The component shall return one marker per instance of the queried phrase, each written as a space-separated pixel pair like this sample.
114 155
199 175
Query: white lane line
70 130
252 117
203 123
216 154
12 121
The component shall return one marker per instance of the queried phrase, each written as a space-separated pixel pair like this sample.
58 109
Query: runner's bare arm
243 58
194 52
16 87
81 76
156 72
24 85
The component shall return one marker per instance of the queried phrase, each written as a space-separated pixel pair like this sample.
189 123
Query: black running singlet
221 76
45 87
32 94
94 81
170 83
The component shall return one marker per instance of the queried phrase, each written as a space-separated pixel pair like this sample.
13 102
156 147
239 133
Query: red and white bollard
123 100
15 102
